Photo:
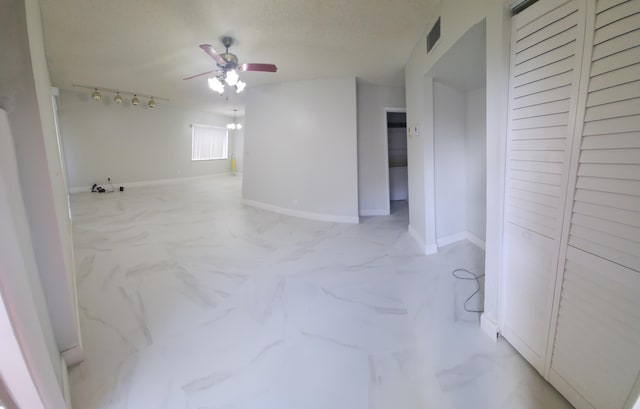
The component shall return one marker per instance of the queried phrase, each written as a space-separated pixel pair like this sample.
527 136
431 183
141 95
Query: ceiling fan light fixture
135 101
118 98
96 95
240 85
231 77
152 103
216 85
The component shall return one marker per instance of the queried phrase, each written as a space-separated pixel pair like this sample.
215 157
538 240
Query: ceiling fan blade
199 75
258 67
208 48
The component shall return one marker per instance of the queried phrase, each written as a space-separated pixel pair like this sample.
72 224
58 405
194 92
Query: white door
546 56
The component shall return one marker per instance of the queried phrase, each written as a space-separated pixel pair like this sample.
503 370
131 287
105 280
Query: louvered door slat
596 344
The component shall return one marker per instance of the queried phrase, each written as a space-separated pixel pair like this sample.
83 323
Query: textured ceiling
148 46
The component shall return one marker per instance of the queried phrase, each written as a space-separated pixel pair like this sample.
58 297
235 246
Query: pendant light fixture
235 125
96 95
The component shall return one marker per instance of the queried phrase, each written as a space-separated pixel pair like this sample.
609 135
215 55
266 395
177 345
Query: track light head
96 95
152 103
135 101
118 98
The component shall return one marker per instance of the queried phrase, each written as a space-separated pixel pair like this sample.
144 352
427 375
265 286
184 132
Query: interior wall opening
397 155
459 113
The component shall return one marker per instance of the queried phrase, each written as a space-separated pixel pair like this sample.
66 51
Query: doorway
397 161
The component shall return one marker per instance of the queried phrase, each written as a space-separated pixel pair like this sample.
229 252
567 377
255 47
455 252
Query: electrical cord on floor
473 277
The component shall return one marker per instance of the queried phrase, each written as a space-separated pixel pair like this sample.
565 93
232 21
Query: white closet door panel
616 13
615 141
596 349
546 56
548 46
544 167
536 177
609 95
556 28
626 187
556 68
605 73
533 207
552 132
538 156
616 125
538 145
615 229
613 62
538 198
542 15
598 336
616 30
604 5
611 155
530 258
617 109
551 56
547 84
608 213
615 201
555 94
548 108
629 172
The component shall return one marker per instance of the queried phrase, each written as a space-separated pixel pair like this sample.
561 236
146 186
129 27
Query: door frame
386 154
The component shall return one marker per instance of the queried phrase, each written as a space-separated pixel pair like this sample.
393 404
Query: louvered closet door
596 349
547 44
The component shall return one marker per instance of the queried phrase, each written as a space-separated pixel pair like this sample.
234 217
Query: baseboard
428 249
301 213
478 242
73 355
446 240
465 235
156 182
489 326
375 212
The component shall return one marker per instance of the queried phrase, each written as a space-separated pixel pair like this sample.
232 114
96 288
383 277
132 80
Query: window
209 142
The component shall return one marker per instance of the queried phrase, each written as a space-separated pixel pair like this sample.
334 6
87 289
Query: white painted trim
73 355
427 249
66 390
446 240
145 183
323 217
475 240
489 326
375 212
465 235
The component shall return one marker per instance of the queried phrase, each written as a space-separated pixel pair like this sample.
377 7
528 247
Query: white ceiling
148 46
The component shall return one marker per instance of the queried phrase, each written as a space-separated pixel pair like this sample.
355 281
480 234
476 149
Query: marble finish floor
191 300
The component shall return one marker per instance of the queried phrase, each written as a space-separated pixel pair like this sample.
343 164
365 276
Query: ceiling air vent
433 36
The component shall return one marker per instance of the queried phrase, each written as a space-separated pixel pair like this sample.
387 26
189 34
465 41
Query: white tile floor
191 300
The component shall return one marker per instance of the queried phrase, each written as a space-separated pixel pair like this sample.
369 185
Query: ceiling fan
228 67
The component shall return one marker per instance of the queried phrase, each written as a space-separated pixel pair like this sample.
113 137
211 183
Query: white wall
301 148
130 144
36 283
38 278
450 160
373 174
237 138
476 162
457 16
